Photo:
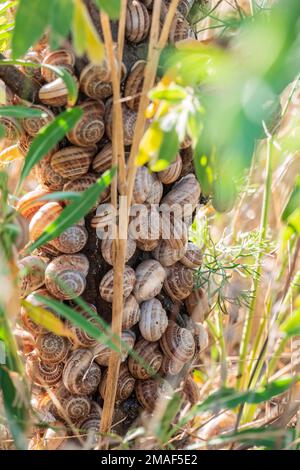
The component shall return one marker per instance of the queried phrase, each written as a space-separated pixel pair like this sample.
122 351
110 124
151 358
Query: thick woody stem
18 82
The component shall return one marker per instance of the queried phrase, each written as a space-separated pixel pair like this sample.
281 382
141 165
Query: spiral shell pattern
52 348
152 359
89 129
81 376
125 385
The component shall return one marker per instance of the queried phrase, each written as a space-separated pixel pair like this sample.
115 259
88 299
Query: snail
131 313
82 337
137 22
134 85
197 305
151 359
148 392
125 385
192 257
150 276
177 343
31 202
52 348
61 57
184 196
172 173
89 129
32 125
101 352
81 376
167 255
72 162
179 282
44 374
106 284
54 93
153 320
47 214
32 274
72 240
103 160
108 249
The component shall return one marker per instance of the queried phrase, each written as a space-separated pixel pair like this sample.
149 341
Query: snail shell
134 85
180 29
75 262
103 160
102 352
185 193
190 391
179 282
108 249
148 392
192 257
129 121
153 320
90 127
29 324
142 185
30 203
83 183
54 93
46 176
106 287
33 72
24 143
77 407
81 376
131 313
172 173
125 385
61 57
94 81
52 348
145 226
12 129
105 217
177 343
72 162
170 367
147 245
91 425
137 22
197 305
151 357
150 276
25 341
47 214
167 255
32 275
83 338
32 125
201 337
156 191
43 373
64 278
174 231
72 240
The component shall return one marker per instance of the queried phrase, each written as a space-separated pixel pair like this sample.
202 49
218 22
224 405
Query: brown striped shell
72 162
30 203
137 21
43 373
129 121
76 262
174 231
94 81
148 392
62 57
29 324
81 376
170 367
150 276
24 143
47 214
131 313
172 173
64 278
89 129
83 183
33 72
83 338
77 407
185 193
125 384
145 226
151 357
52 348
142 185
108 249
32 274
167 255
193 256
180 29
102 352
32 125
12 129
190 391
47 177
103 160
90 426
134 85
106 286
177 343
54 93
179 282
197 305
156 191
25 341
72 240
153 320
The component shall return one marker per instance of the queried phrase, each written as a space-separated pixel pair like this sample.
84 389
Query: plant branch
18 82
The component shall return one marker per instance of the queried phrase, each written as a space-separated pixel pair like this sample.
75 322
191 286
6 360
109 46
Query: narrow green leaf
167 151
48 137
165 423
173 93
75 211
60 21
20 112
61 196
111 7
32 18
291 327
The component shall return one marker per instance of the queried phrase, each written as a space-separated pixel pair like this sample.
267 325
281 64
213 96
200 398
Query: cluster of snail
163 312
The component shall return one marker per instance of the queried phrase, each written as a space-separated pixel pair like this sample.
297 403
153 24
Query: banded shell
147 245
31 202
179 282
134 85
32 125
83 183
64 278
12 129
125 384
192 257
131 313
102 352
54 93
43 373
24 143
151 357
46 176
52 348
90 426
170 366
184 196
137 22
47 214
77 407
25 341
33 72
32 274
106 286
129 121
197 305
156 191
72 162
174 231
153 320
142 185
150 276
105 219
172 173
177 343
190 391
103 160
83 338
76 262
180 29
89 129
29 324
72 240
81 376
94 81
150 391
62 57
166 255
108 249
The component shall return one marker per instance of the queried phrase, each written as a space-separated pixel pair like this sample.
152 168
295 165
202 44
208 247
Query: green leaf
20 112
291 327
75 211
167 151
32 17
60 21
293 202
111 7
85 36
48 137
61 196
268 437
164 424
173 93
